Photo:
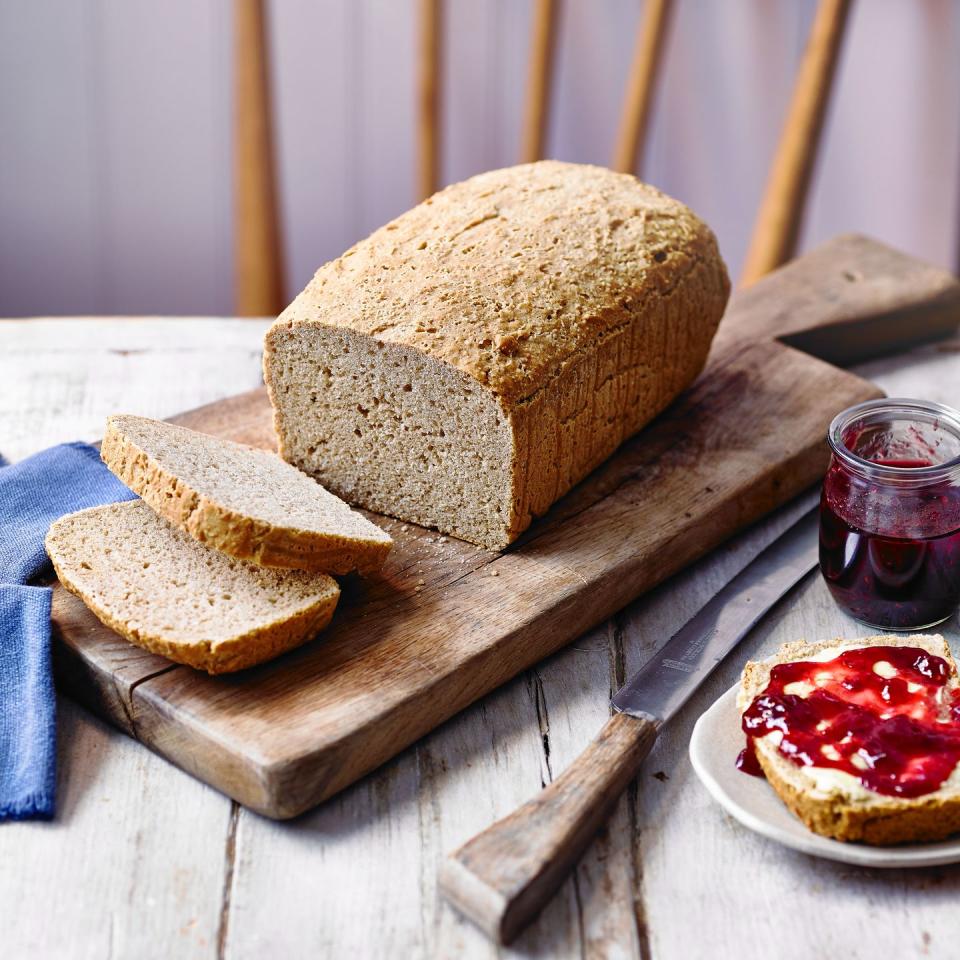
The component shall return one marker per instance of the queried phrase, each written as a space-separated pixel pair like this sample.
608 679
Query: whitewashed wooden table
143 861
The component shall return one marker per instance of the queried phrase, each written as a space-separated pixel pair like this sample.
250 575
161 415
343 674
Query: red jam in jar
890 513
883 715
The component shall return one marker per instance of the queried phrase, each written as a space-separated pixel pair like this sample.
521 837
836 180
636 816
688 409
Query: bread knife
504 876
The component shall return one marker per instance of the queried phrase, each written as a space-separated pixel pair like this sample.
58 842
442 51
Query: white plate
716 741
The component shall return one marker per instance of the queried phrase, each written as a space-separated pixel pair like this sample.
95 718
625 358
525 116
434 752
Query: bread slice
838 805
242 501
167 593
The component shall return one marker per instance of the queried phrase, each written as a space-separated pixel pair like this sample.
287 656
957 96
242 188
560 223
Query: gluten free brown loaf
468 363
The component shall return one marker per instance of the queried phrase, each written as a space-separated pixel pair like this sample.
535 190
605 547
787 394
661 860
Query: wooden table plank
571 707
131 867
699 862
62 378
362 866
144 851
134 863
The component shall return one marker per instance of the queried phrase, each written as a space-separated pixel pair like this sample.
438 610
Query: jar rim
903 408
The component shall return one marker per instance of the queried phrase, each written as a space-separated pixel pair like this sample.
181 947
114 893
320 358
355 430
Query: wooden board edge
870 299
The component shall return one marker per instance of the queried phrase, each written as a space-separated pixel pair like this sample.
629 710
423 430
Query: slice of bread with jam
860 738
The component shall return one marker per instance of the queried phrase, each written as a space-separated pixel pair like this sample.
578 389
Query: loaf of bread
467 364
162 590
240 500
830 801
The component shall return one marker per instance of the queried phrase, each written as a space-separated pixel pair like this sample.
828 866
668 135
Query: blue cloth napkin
34 493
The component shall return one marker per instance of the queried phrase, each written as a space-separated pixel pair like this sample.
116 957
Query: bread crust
621 381
245 649
511 276
230 532
583 300
878 819
238 653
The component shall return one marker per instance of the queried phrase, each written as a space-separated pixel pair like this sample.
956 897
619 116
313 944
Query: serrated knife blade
668 679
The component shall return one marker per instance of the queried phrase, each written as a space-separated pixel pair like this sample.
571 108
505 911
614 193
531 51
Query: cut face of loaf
396 431
467 364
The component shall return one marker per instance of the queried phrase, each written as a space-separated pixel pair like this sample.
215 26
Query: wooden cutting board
447 622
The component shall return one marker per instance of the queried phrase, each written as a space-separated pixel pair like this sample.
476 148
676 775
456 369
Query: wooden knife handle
504 876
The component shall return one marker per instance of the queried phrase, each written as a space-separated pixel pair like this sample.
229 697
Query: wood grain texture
116 874
146 870
64 376
258 243
536 113
444 622
134 863
505 875
777 226
870 300
642 85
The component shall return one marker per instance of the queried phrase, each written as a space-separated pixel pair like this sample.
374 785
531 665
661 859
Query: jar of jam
890 513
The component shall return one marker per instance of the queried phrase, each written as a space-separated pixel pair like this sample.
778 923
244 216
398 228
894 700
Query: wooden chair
259 248
258 237
778 222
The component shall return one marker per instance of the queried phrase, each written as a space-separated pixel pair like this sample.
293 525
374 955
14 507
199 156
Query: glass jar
890 513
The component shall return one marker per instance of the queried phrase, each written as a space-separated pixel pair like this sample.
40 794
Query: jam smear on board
881 714
891 562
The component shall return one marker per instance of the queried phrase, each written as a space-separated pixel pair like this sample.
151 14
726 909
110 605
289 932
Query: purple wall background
115 116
